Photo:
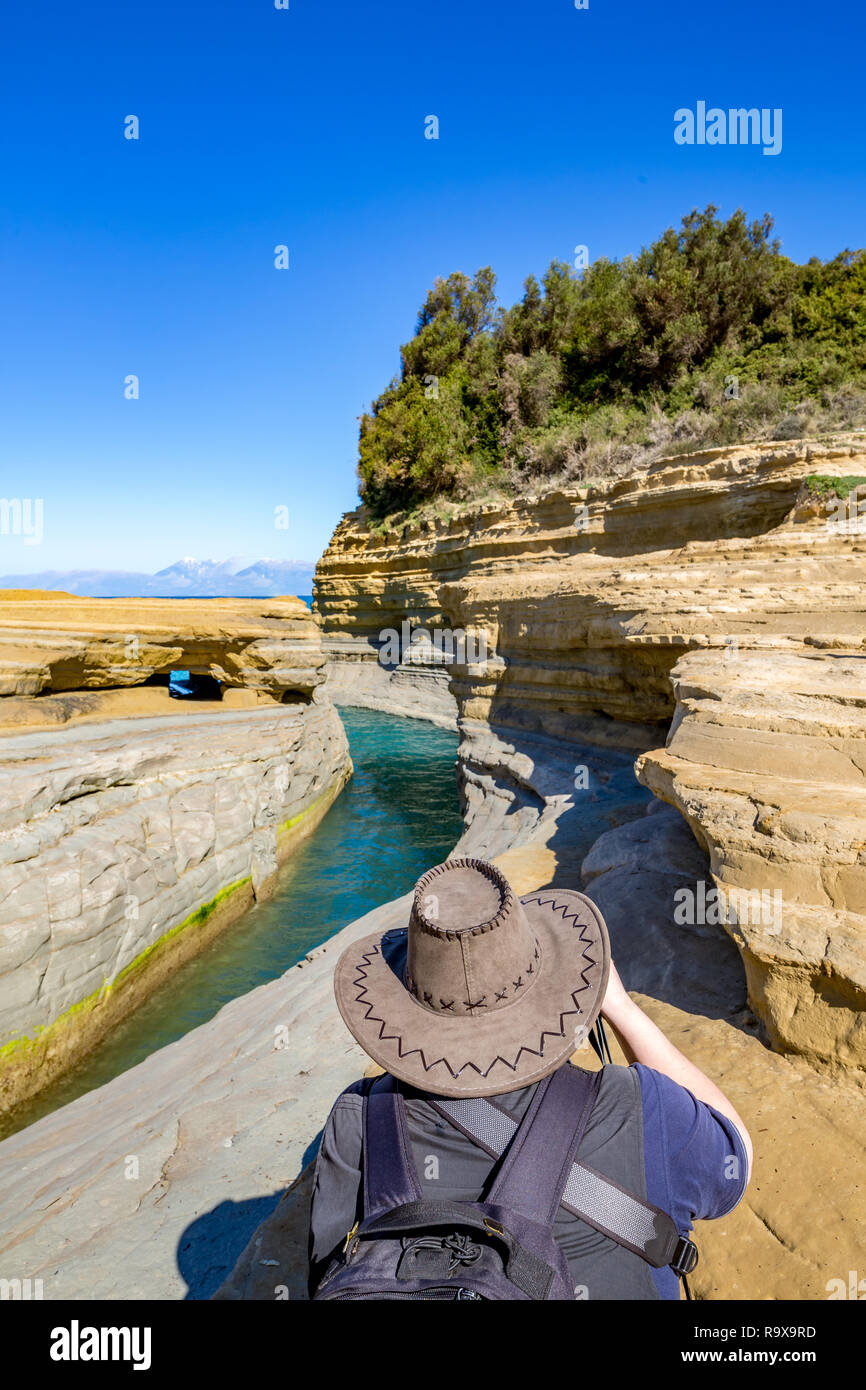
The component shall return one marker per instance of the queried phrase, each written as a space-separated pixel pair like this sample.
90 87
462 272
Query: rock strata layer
223 1123
416 688
766 759
60 642
607 613
583 602
126 842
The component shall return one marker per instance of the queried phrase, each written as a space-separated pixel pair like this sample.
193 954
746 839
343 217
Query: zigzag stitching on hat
561 908
370 1017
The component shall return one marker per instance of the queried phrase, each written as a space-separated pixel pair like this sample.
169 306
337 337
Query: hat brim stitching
561 908
370 1017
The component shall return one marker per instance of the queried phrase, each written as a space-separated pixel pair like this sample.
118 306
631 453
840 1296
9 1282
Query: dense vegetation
708 336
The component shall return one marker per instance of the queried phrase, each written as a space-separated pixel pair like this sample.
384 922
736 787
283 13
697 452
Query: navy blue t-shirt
694 1159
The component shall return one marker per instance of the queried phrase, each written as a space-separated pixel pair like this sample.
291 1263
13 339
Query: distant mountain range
188 578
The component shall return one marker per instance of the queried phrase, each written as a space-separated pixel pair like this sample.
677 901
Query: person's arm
642 1041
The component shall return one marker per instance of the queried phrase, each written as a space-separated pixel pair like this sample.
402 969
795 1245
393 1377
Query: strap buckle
685 1257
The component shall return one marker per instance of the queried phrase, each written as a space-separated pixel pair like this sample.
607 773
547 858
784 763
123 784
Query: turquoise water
397 816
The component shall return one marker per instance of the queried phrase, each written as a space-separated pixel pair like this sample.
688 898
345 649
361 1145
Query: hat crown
471 949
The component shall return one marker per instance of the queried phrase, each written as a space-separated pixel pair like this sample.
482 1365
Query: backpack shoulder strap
540 1157
630 1220
390 1176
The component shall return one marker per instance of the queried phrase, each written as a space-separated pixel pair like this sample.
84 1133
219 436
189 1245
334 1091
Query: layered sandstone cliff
705 608
134 826
582 603
766 759
54 643
223 1123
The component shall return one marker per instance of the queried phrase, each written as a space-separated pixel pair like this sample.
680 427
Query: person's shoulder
701 1148
660 1090
341 1133
351 1100
680 1108
686 1119
354 1093
618 1087
618 1078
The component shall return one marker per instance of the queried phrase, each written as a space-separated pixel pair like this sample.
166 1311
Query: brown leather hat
484 992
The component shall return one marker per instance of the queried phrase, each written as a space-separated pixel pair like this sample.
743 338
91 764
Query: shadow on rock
273 1265
637 874
255 1249
210 1246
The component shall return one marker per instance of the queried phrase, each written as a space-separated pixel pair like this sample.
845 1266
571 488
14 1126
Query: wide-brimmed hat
484 992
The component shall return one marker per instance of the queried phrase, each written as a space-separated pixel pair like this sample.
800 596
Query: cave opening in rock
193 685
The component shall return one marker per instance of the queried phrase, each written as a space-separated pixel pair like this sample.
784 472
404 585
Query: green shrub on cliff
708 336
437 428
823 485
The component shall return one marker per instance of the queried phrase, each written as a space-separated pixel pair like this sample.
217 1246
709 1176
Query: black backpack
406 1247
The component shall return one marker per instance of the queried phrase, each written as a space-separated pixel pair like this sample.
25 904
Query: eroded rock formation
60 642
766 759
223 1122
704 604
134 826
585 600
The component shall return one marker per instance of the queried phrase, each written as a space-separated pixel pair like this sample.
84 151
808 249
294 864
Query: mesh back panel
602 1202
489 1126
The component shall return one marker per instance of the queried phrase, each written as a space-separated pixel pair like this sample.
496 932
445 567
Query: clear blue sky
306 127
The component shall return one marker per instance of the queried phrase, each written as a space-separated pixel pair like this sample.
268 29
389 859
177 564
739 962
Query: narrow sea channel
398 815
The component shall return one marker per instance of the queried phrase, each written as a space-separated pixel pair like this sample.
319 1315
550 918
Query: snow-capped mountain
187 578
